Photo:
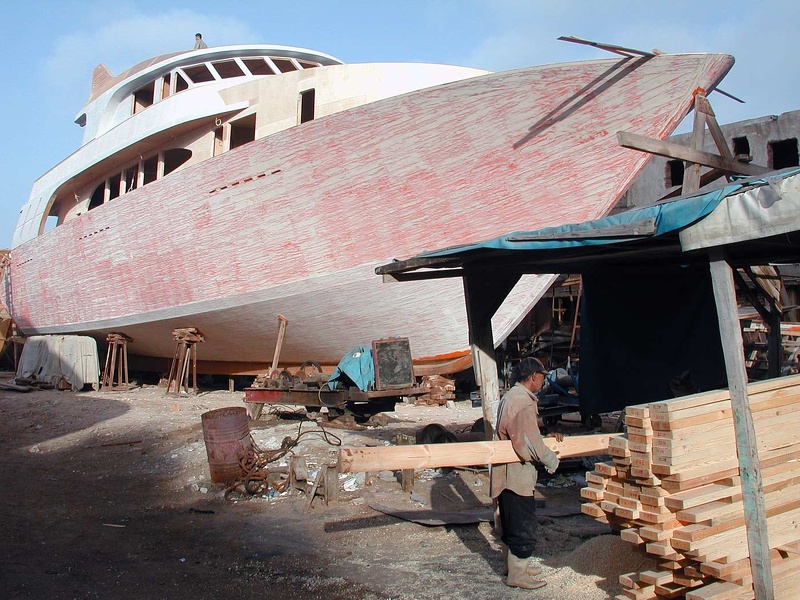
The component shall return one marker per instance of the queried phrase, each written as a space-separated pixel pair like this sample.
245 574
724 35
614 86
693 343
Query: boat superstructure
244 195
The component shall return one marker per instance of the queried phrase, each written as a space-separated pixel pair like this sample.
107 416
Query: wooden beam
461 454
749 468
484 293
691 174
676 151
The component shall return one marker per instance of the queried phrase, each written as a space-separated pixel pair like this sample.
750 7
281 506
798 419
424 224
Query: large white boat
218 188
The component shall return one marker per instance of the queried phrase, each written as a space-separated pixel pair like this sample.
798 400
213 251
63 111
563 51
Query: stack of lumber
673 488
438 390
755 341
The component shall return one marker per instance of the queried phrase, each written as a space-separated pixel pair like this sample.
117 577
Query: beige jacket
518 421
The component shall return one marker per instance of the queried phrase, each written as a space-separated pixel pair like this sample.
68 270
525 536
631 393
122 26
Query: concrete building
771 141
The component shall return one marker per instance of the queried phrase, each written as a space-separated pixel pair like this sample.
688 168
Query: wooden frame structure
488 279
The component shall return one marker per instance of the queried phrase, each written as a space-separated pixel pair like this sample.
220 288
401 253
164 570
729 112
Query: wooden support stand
326 483
115 374
184 362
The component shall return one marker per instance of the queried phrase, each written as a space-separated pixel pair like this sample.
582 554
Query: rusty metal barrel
227 436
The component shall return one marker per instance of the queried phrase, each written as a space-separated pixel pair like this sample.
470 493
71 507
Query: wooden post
691 174
407 475
749 467
332 478
484 292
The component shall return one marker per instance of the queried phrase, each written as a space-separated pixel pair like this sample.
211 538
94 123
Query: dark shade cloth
518 522
643 328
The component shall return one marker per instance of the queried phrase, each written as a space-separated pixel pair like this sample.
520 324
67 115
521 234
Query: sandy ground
109 495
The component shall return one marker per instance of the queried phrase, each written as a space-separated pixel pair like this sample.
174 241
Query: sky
51 47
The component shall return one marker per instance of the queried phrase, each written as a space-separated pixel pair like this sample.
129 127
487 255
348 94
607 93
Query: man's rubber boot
532 569
518 574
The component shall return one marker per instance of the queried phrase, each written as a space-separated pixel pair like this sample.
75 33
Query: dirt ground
109 495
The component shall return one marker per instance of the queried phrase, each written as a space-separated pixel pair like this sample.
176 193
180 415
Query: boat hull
295 223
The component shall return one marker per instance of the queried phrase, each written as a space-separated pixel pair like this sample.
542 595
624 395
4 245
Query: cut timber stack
438 390
673 489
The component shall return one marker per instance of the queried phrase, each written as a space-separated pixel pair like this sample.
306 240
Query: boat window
113 186
307 105
165 86
227 69
675 170
150 168
257 66
174 158
180 83
97 196
783 154
131 178
284 64
144 97
50 223
198 73
218 142
243 131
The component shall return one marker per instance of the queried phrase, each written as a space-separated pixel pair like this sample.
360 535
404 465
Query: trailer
310 387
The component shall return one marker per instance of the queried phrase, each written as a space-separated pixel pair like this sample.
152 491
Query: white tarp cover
50 357
760 212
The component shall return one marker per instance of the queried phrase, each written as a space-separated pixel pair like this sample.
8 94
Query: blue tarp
357 367
668 216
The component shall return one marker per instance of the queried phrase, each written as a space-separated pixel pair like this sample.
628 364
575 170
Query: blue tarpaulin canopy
748 209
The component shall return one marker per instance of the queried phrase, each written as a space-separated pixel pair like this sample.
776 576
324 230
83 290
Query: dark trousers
518 520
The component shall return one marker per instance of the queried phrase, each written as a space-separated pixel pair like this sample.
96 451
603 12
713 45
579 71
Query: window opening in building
741 146
783 154
113 186
150 168
675 169
243 131
174 158
198 73
131 178
144 97
307 105
227 69
257 66
97 196
284 65
307 65
180 83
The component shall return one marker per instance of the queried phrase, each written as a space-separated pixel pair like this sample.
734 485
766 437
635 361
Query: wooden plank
711 397
749 467
671 150
723 411
461 454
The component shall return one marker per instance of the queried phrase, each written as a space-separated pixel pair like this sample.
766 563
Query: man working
199 44
512 484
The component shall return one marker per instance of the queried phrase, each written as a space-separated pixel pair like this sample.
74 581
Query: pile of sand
593 568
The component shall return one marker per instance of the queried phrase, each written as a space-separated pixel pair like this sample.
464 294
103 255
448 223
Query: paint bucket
227 436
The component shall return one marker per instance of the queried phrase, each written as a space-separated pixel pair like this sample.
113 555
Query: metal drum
227 436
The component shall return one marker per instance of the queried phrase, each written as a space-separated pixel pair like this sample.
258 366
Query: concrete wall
654 182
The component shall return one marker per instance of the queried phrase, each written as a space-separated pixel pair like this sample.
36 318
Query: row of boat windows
241 132
142 173
183 78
